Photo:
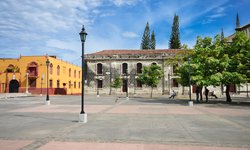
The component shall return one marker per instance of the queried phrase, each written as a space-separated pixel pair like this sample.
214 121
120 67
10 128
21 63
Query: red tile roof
134 52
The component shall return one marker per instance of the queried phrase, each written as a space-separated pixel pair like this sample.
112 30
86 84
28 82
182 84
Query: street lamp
190 102
47 96
83 116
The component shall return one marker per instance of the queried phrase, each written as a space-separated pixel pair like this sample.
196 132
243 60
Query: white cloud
124 2
68 45
128 34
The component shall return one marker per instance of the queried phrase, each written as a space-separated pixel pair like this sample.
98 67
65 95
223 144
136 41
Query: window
69 84
69 72
124 68
154 63
58 84
74 73
79 85
99 68
10 68
99 84
139 68
74 84
51 68
50 83
58 70
139 84
175 83
79 74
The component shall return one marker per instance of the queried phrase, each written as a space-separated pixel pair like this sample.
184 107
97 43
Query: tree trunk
151 94
201 98
227 94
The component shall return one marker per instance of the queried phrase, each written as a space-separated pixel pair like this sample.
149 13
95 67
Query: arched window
79 74
154 63
99 68
51 68
139 68
10 68
74 73
58 70
33 69
69 72
124 68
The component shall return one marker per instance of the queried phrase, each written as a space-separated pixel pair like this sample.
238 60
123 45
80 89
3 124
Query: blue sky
37 27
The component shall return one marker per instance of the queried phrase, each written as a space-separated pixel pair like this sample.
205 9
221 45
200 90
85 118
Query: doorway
13 86
124 85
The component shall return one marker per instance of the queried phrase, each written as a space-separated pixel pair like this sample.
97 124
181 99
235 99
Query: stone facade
104 66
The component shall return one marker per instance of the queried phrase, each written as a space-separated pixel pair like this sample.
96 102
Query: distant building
29 74
104 66
245 29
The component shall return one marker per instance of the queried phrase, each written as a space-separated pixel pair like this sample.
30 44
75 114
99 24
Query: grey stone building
104 66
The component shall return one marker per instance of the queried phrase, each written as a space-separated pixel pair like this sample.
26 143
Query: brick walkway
134 124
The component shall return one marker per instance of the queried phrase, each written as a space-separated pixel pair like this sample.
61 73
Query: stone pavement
135 124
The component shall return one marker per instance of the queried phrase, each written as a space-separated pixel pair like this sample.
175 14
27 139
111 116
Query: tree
151 76
205 63
237 21
145 44
174 42
117 83
152 41
214 62
238 63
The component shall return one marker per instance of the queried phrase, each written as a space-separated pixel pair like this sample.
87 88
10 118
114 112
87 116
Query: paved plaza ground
139 123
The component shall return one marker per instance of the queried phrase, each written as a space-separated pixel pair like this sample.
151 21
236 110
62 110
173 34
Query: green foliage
117 83
145 44
215 62
151 76
152 40
174 42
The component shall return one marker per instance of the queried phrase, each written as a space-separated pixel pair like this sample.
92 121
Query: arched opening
58 70
139 68
13 86
33 69
124 68
99 68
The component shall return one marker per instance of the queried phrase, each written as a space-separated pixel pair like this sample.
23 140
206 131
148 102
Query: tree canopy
151 76
215 62
174 42
148 41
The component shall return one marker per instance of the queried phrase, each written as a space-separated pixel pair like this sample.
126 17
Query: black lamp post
83 34
47 96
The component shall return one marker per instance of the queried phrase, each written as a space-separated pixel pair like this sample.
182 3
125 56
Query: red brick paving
125 146
13 144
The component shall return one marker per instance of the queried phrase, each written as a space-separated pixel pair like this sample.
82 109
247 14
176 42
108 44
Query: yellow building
29 74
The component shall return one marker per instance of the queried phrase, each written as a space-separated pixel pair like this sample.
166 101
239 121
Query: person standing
206 94
197 91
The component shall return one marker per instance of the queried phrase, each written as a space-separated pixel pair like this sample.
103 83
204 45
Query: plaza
137 123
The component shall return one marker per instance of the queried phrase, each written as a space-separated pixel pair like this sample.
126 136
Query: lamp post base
98 95
47 103
190 103
127 98
83 118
